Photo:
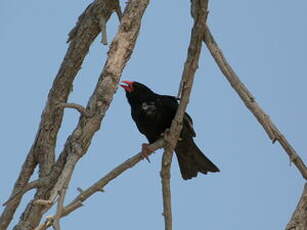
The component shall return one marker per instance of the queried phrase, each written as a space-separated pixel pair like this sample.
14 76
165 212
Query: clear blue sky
265 41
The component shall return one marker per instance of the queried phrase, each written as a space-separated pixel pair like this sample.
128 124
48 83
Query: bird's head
136 92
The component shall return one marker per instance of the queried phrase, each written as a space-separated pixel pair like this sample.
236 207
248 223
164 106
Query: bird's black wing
170 103
154 115
191 160
188 123
167 103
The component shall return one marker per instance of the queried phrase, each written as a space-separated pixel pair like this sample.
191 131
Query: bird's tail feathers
191 160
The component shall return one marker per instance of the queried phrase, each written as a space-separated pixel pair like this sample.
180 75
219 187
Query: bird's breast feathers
149 108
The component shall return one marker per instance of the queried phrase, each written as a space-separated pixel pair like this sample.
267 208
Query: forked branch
78 107
101 183
78 142
120 51
34 184
43 148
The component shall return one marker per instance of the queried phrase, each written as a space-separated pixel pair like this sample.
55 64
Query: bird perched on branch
153 114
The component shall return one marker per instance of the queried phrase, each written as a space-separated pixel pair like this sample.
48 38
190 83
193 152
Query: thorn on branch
80 204
292 159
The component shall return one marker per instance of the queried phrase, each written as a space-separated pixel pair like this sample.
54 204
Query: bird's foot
165 133
146 150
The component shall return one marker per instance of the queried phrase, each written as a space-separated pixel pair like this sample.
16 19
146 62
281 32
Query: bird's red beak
128 87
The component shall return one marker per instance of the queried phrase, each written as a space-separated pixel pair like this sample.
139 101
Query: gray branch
42 151
298 220
199 13
250 102
120 51
34 184
60 206
101 183
78 107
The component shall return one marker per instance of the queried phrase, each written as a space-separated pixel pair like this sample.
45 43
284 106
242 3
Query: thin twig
250 102
63 180
101 183
60 203
96 10
103 27
60 207
199 14
78 107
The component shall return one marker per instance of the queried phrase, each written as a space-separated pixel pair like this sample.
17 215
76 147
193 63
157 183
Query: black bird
153 114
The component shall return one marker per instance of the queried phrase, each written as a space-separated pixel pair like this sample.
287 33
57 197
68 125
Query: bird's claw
165 133
146 151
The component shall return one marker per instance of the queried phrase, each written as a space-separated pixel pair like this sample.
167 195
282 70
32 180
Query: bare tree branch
249 100
101 183
199 13
46 224
54 176
26 188
60 207
46 203
120 51
22 180
78 107
94 13
73 157
103 27
42 150
299 218
118 55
